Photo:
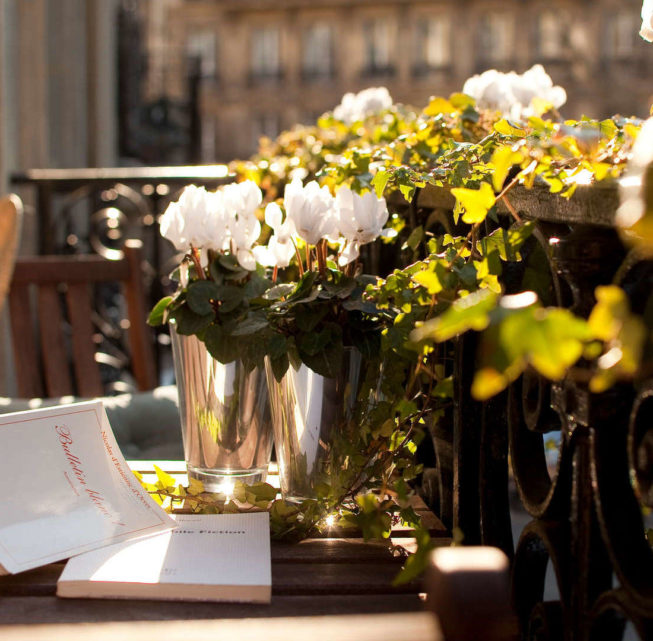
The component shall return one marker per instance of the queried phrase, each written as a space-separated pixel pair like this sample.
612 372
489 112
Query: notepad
68 488
217 557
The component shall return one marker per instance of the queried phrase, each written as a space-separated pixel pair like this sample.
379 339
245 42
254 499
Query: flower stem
300 266
195 255
321 251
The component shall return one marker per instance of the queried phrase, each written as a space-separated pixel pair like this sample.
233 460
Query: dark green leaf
279 366
221 345
188 322
256 287
199 296
308 316
230 296
252 324
327 362
277 346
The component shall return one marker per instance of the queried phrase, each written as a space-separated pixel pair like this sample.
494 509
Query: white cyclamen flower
512 94
355 107
194 220
280 248
311 210
646 30
240 203
360 220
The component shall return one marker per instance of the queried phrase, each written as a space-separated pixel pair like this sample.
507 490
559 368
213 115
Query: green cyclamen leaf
188 322
200 294
158 314
254 323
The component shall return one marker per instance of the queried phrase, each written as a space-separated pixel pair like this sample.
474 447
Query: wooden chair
52 362
11 213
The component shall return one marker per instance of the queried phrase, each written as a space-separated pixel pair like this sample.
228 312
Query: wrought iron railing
581 463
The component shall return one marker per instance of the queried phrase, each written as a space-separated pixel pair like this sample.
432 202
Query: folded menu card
208 557
67 488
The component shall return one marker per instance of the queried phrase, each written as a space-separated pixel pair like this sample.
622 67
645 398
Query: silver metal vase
308 412
225 416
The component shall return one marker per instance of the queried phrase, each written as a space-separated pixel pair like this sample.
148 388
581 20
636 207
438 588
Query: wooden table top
342 577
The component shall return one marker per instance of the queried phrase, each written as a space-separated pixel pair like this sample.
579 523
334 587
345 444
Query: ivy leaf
475 202
439 106
428 279
158 314
509 129
470 312
164 479
263 491
414 239
503 159
507 242
407 191
608 314
380 181
462 101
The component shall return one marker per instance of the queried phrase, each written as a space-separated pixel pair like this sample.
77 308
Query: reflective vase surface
225 416
308 411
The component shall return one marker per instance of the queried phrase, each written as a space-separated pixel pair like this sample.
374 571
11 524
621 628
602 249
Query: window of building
318 50
265 124
433 42
265 60
552 35
378 47
496 39
201 46
622 32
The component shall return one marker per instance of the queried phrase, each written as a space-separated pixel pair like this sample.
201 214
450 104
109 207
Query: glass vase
225 416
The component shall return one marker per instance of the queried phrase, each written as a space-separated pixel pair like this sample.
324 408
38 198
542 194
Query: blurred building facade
57 84
264 65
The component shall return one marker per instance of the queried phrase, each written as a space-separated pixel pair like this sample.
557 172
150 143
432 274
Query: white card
67 488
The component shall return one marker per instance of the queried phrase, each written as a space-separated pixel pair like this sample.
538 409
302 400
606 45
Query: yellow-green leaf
508 129
429 280
461 100
601 169
164 478
541 106
475 202
470 312
439 105
195 487
488 382
503 159
609 312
